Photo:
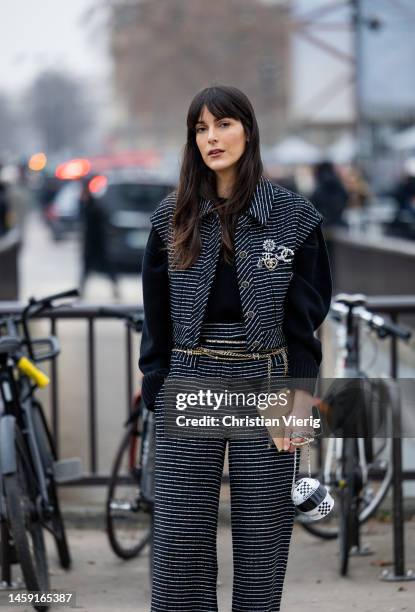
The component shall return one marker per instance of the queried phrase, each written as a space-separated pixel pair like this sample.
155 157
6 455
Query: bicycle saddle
9 344
351 299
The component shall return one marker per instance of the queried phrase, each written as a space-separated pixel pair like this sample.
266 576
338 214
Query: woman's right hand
301 409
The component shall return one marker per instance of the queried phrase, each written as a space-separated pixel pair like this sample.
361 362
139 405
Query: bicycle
29 468
130 498
357 469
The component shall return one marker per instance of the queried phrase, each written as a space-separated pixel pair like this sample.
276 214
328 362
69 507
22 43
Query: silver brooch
269 259
268 245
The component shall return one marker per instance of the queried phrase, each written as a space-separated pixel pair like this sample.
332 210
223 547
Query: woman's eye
199 129
224 124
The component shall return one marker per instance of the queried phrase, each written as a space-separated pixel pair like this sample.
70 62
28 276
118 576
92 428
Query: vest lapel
211 237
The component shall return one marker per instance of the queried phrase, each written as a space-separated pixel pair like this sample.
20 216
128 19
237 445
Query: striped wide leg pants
188 473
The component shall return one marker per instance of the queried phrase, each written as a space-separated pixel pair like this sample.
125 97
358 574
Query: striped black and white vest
267 236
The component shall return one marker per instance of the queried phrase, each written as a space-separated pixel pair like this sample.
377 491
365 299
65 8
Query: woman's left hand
302 409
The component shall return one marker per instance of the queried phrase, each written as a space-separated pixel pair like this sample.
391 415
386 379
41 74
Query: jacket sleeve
156 340
307 303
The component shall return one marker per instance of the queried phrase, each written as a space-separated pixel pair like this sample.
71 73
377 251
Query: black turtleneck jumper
307 302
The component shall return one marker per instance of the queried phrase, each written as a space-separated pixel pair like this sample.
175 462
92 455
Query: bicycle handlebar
58 296
33 308
376 322
46 302
383 327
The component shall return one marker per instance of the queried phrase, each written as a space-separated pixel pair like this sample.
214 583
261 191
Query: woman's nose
212 136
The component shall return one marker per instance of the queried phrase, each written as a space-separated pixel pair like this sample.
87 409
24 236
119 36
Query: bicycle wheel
376 474
379 450
348 502
48 455
24 522
128 511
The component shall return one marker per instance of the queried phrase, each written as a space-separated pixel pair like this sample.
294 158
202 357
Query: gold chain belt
227 355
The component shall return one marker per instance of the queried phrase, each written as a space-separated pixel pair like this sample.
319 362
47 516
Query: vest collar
260 206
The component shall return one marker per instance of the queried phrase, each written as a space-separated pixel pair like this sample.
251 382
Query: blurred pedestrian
329 196
4 205
404 192
20 196
357 187
95 257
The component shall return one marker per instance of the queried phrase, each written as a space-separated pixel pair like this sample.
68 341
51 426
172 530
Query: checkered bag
311 499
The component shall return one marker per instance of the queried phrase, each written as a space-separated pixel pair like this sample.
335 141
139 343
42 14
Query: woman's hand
302 409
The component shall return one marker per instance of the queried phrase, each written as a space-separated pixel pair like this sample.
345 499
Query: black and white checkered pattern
305 489
324 508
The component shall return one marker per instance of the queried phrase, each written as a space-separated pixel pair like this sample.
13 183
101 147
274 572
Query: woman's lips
215 153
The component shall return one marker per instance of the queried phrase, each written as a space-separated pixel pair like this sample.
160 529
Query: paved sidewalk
103 582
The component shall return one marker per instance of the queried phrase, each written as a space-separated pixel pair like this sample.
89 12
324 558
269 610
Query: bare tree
59 111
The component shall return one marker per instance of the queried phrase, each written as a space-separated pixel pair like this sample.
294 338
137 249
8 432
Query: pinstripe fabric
274 214
188 470
187 486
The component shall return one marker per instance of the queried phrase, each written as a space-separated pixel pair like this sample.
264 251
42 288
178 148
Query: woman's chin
219 165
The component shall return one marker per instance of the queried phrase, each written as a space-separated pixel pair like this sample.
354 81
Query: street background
93 100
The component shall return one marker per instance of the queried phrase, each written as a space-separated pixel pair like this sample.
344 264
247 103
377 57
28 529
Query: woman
235 281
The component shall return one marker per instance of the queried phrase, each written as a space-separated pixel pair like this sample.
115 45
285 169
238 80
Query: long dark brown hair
198 180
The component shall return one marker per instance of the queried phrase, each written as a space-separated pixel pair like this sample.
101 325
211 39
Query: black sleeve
156 339
307 304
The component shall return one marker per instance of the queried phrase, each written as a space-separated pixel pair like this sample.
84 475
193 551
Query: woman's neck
224 183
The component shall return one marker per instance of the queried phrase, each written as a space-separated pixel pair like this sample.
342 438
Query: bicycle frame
335 450
348 365
18 413
30 435
18 403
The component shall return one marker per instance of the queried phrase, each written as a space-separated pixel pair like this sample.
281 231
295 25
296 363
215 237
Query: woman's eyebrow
200 122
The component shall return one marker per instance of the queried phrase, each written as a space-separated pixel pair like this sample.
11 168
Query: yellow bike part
29 368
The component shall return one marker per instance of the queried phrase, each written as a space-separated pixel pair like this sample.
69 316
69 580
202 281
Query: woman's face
221 142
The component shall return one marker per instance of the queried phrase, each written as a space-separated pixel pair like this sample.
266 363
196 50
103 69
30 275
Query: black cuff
151 385
303 375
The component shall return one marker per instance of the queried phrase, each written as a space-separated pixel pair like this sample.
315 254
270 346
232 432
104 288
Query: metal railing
394 306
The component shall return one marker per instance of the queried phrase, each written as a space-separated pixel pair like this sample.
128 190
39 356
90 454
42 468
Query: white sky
38 34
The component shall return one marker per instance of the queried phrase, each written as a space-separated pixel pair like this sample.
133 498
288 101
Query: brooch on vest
270 259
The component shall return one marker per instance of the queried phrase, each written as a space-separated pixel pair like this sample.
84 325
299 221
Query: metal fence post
398 573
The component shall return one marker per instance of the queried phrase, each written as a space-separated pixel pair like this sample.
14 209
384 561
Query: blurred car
63 212
128 199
